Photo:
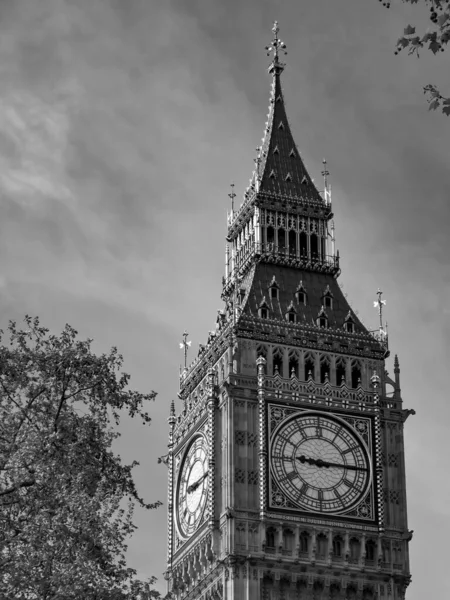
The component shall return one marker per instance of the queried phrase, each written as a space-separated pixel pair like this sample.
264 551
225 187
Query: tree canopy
66 499
434 39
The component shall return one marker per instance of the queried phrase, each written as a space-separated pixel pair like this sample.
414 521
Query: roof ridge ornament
277 46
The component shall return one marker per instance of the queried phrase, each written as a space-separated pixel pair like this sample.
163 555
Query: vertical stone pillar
171 421
313 550
257 229
261 376
330 546
375 382
227 261
362 554
297 540
211 408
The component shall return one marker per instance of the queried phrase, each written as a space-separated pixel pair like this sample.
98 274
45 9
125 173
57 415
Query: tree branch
17 487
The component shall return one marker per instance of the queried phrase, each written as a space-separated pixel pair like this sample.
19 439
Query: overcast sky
122 123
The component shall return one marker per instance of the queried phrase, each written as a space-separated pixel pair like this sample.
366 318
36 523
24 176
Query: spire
279 168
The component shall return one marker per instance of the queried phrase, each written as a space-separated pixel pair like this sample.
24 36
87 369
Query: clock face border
361 426
183 457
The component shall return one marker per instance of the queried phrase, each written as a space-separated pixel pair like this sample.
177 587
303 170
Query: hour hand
313 461
195 485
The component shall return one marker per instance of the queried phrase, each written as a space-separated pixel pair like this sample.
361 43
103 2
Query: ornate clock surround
361 427
181 453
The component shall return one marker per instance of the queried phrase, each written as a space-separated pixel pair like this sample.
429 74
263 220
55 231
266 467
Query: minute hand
322 463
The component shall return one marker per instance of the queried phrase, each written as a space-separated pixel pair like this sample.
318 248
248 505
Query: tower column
260 364
211 407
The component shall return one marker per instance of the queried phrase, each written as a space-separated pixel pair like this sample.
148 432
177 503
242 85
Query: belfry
286 456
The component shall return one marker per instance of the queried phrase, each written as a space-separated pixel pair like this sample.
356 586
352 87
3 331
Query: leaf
446 110
434 46
403 42
434 104
409 30
442 19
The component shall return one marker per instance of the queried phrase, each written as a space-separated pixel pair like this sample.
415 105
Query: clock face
192 487
320 463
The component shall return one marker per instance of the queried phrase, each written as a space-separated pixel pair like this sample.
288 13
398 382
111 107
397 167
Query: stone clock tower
286 458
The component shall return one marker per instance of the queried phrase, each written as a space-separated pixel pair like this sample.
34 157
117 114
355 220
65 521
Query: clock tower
286 457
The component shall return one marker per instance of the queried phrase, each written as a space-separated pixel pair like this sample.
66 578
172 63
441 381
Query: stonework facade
286 460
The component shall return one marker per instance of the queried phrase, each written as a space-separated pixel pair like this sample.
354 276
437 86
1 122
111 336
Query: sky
122 124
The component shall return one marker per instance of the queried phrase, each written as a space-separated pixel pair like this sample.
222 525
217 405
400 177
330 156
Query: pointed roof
280 169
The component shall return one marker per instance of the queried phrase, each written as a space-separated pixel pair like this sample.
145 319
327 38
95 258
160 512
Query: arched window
322 321
264 313
340 371
386 553
240 535
300 294
274 289
324 368
288 542
270 235
309 367
349 323
338 546
293 364
278 362
270 538
356 374
304 541
349 327
291 316
370 550
292 242
322 245
291 313
355 549
314 246
281 240
303 244
322 545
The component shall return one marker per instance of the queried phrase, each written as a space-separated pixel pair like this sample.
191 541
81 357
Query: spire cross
379 304
185 344
276 46
232 195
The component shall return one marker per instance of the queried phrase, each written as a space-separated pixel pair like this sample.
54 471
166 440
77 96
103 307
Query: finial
276 67
326 189
232 195
379 304
185 344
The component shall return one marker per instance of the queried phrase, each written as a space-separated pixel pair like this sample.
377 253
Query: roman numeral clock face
192 487
319 463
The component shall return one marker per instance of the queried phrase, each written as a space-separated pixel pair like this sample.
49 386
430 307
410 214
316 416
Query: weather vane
232 195
185 344
379 304
276 45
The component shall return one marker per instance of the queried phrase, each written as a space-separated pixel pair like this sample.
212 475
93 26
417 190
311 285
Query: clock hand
195 485
322 463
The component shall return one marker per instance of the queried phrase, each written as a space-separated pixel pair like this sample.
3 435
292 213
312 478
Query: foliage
436 40
66 500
